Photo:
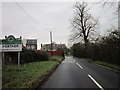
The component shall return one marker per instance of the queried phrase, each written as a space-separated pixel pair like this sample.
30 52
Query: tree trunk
86 46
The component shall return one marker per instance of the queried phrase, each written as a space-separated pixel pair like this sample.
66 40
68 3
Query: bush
107 49
33 56
26 56
78 50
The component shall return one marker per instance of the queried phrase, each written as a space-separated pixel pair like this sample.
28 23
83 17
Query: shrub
26 56
107 49
33 56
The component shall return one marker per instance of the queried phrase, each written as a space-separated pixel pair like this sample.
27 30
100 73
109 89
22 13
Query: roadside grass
106 64
28 75
112 66
56 58
87 59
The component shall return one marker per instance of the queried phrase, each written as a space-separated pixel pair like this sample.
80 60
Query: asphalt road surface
78 73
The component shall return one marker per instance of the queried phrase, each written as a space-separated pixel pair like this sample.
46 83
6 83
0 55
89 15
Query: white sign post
11 44
18 58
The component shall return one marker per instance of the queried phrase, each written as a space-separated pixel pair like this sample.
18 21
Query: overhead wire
35 21
29 16
26 13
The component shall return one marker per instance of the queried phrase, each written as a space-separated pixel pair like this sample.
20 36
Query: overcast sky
37 19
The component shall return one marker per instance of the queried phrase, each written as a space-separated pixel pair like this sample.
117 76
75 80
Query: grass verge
28 75
56 58
106 64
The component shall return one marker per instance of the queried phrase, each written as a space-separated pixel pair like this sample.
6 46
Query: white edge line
96 82
79 65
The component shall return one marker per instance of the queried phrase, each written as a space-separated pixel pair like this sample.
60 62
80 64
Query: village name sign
11 44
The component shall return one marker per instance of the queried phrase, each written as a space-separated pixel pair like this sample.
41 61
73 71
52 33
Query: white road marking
96 82
79 65
68 61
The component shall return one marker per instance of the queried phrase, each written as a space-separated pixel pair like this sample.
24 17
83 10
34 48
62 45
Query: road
77 73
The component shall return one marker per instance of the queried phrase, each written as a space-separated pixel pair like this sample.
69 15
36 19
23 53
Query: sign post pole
3 55
18 58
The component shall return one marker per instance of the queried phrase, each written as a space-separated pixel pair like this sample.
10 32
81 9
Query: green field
29 75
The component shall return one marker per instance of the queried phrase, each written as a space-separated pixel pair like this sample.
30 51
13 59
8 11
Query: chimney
41 46
5 37
20 37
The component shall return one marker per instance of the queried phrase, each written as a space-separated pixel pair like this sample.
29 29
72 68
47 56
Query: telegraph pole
51 39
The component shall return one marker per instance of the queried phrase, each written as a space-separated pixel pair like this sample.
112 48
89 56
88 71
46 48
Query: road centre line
79 65
95 82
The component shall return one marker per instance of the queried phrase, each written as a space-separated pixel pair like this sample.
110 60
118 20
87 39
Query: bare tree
83 23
